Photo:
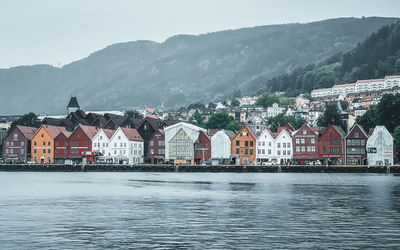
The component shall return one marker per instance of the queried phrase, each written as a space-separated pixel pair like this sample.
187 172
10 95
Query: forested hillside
377 56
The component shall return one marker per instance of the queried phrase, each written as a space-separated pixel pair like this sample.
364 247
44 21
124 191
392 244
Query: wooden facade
243 145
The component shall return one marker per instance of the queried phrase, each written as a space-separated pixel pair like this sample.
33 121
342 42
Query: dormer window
304 132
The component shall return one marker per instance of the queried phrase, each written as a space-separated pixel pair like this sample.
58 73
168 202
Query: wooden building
243 146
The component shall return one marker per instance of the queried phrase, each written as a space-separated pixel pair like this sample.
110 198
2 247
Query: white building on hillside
275 110
126 146
380 147
221 144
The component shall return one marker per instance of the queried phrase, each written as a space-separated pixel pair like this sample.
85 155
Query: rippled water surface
198 210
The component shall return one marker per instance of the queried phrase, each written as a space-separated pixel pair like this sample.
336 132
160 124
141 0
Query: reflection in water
184 210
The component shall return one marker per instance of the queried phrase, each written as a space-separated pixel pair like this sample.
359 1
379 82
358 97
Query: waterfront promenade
201 168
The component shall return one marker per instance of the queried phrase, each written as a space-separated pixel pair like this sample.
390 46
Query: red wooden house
61 147
80 141
156 147
202 148
355 144
331 145
305 144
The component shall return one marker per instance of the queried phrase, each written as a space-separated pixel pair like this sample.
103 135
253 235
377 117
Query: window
312 140
356 135
66 144
283 145
312 148
304 132
8 151
12 144
251 143
15 136
279 152
124 144
284 152
303 141
288 144
57 143
323 143
279 145
251 151
22 151
362 142
35 159
8 143
330 142
48 143
237 151
86 143
151 143
303 149
34 151
246 151
297 141
324 150
152 151
44 143
263 143
56 151
330 135
65 151
269 151
42 135
297 148
44 151
119 137
101 137
79 135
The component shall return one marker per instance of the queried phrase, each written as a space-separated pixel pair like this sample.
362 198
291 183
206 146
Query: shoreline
200 168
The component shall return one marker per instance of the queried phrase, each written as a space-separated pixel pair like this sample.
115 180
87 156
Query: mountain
376 57
183 69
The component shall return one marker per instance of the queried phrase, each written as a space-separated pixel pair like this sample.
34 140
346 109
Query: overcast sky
58 32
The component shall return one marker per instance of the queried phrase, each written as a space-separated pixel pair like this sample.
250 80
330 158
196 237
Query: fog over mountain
181 70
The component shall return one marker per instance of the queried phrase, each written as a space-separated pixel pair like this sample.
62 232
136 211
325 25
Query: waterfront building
17 144
380 147
331 145
202 148
127 146
179 142
101 143
42 143
61 151
221 144
275 148
243 146
355 145
156 147
80 141
147 128
305 143
265 147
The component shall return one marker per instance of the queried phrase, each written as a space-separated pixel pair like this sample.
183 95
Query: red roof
28 132
109 133
344 85
90 131
55 130
132 134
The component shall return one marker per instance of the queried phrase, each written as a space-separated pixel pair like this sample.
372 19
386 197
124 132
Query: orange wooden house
244 145
42 143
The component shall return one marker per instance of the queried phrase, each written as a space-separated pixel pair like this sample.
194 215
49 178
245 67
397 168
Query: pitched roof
28 132
132 134
252 132
356 125
339 130
52 121
109 133
54 130
230 133
73 103
154 122
90 131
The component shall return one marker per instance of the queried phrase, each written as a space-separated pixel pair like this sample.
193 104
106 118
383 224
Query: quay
200 168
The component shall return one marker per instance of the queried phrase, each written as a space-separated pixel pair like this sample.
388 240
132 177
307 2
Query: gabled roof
73 103
52 130
339 130
90 131
28 132
52 121
191 126
108 132
131 134
356 125
154 122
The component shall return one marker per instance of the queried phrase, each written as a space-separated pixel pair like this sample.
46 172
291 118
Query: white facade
101 143
278 149
275 110
220 145
380 147
359 87
125 149
179 141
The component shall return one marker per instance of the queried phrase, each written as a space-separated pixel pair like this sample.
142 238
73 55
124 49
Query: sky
58 32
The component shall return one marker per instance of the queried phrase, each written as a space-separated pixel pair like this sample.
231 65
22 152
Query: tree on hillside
197 105
29 120
331 116
197 119
212 105
219 120
396 136
134 114
368 119
388 111
235 102
234 125
279 120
